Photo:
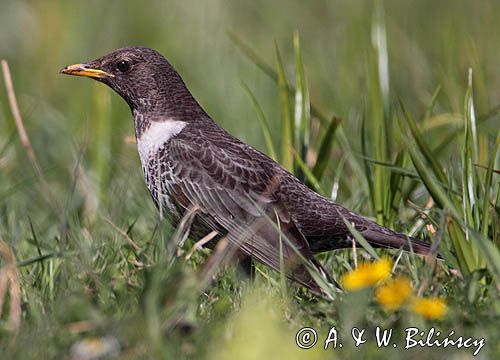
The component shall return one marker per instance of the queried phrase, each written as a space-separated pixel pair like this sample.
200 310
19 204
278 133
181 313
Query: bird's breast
155 136
152 145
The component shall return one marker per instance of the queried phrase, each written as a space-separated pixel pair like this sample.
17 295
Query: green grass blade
271 73
461 247
360 239
407 173
396 184
287 136
262 121
311 179
364 149
431 183
377 133
460 243
468 157
490 252
378 106
430 107
302 110
495 228
422 145
253 57
325 148
469 176
393 168
486 201
354 163
338 174
282 259
483 119
379 43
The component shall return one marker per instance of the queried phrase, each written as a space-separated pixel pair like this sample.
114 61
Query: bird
191 164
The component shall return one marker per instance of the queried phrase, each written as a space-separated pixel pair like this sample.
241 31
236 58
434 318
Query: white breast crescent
156 136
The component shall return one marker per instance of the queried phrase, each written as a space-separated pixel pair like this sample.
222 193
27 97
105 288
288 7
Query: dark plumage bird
242 194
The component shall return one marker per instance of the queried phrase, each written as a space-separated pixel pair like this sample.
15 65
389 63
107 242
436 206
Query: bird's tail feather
391 239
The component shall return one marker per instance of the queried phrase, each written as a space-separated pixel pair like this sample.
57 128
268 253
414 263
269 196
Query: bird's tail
389 239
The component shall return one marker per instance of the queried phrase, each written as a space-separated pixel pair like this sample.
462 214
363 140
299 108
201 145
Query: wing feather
237 197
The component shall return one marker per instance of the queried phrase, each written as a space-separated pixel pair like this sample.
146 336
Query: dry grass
10 285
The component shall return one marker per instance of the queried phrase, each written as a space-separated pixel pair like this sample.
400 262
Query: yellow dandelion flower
431 308
367 274
394 294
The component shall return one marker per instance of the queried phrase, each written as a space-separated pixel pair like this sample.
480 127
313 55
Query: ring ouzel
190 162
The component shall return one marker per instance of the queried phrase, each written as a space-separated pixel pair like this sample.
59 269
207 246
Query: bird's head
141 76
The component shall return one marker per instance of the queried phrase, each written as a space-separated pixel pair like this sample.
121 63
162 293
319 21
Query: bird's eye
123 65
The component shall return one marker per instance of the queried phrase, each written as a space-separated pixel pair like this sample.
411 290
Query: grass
385 108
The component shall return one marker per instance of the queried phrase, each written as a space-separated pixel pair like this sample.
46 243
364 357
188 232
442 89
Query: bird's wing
234 186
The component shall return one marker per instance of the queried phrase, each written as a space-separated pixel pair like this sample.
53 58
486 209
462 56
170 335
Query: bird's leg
184 227
199 244
225 253
222 251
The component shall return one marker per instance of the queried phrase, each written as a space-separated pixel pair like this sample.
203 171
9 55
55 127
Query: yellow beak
84 70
